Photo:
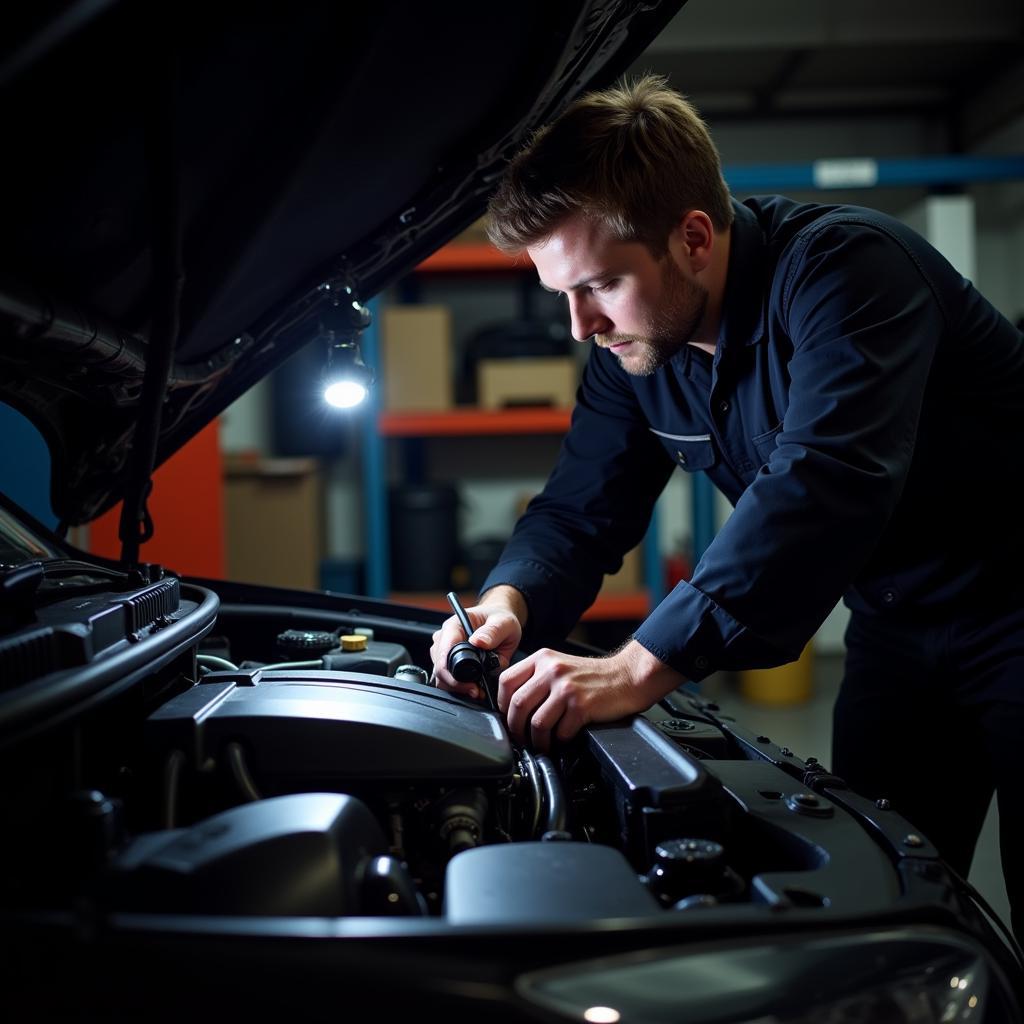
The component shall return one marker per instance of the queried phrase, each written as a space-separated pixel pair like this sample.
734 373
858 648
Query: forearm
649 678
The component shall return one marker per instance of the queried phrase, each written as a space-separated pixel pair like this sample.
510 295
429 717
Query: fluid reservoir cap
688 857
305 643
352 642
687 851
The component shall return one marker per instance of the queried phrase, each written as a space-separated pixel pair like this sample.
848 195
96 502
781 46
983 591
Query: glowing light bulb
344 394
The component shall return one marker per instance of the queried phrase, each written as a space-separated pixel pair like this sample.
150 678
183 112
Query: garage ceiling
960 65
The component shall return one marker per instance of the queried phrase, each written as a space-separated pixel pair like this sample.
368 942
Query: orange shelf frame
634 605
463 256
458 422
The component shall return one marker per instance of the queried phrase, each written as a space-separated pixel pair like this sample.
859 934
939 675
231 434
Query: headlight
924 976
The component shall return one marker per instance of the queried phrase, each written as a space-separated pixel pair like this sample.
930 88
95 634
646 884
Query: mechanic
855 398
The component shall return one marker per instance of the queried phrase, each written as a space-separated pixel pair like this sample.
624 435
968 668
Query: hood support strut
136 526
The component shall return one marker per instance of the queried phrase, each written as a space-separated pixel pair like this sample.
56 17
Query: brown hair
636 157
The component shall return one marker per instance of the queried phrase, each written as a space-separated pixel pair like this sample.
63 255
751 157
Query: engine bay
296 761
204 765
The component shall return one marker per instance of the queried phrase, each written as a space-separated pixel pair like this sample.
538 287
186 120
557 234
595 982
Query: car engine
278 772
195 755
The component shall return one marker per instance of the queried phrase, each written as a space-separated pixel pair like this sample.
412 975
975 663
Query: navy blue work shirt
864 413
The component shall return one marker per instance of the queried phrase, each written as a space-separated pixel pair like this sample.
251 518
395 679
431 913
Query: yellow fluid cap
354 643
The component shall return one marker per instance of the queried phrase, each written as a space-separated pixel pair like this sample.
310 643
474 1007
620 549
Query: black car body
210 806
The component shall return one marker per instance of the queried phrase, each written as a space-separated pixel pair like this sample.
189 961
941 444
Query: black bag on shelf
424 536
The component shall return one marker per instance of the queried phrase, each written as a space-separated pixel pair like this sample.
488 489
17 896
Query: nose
585 319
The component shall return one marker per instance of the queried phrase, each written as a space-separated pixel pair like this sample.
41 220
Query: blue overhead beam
865 172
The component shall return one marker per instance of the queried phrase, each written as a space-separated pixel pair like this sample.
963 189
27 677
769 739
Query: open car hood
316 146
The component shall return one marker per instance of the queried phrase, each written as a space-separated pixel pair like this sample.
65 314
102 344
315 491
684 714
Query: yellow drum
785 684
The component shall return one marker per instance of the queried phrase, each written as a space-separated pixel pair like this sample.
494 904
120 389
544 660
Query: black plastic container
424 536
379 657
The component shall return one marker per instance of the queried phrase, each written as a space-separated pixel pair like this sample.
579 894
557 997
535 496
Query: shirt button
723 406
682 457
700 662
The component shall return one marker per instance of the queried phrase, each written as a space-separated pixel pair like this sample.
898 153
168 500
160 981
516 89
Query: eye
607 286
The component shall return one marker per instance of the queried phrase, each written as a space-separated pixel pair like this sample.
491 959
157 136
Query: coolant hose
554 795
240 772
532 772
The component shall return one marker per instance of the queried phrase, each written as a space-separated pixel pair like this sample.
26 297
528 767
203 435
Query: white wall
245 424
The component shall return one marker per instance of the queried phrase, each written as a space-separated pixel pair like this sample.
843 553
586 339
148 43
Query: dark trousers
931 717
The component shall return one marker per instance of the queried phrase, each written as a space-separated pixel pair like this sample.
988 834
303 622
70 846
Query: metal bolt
913 840
763 739
811 760
882 804
786 752
808 803
677 725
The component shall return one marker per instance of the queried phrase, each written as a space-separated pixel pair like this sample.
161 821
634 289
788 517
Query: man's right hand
497 626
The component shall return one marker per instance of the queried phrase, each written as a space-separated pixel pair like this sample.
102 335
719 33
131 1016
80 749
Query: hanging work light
346 378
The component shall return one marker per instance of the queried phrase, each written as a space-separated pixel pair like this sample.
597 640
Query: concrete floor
807 729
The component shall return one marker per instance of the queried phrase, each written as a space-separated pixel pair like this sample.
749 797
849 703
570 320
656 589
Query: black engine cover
296 726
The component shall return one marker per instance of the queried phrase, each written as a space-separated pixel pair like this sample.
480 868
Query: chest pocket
764 444
688 451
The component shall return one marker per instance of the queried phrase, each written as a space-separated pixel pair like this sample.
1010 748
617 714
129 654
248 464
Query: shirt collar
745 286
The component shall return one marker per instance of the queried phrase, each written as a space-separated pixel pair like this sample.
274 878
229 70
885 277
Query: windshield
19 543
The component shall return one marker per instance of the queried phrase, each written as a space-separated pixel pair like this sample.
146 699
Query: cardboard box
416 358
630 577
475 234
274 522
549 381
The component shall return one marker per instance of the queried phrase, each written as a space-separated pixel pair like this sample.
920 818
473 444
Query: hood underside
307 144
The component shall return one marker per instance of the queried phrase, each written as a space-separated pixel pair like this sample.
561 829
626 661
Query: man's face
641 308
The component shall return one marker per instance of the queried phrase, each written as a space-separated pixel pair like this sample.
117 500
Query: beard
671 326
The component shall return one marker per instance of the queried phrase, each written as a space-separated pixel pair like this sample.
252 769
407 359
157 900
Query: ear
692 240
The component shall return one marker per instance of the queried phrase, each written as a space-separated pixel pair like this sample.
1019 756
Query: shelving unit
465 257
478 422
